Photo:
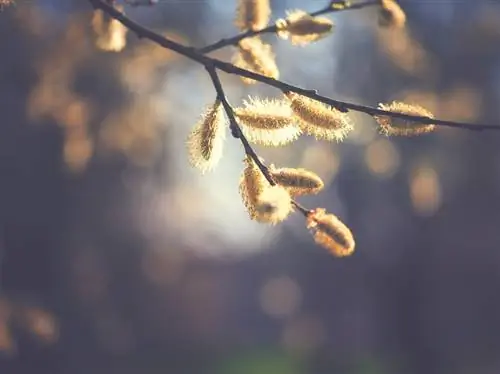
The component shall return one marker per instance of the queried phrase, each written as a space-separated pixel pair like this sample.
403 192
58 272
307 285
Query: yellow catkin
252 184
398 126
256 56
391 14
297 181
302 28
205 142
318 119
274 205
111 34
252 14
263 202
331 233
267 122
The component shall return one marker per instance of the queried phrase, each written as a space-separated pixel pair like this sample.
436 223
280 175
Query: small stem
235 39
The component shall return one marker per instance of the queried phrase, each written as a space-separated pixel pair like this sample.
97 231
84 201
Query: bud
256 56
303 28
297 181
399 126
330 232
252 14
267 122
205 142
318 119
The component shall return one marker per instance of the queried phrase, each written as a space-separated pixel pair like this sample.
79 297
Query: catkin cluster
268 192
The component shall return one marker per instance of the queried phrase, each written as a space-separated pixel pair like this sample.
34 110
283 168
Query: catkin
330 232
318 119
205 142
256 56
111 34
267 122
391 14
252 14
297 181
252 184
302 28
274 205
263 202
399 126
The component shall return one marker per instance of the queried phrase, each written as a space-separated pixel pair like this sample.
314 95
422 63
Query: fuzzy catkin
297 181
256 56
402 127
263 202
252 14
267 122
252 184
205 142
274 205
330 232
302 28
318 119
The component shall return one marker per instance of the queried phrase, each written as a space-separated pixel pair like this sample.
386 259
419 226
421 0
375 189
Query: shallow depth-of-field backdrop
117 257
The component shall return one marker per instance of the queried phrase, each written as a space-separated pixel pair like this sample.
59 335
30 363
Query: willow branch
229 68
237 133
272 29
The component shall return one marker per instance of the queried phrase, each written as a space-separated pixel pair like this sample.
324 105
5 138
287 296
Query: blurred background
117 257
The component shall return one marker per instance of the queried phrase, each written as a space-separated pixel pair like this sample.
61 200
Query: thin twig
272 29
237 133
192 54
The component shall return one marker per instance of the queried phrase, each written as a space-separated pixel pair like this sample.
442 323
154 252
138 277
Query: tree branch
194 55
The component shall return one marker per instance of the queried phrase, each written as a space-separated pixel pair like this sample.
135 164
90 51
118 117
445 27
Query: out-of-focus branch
229 68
